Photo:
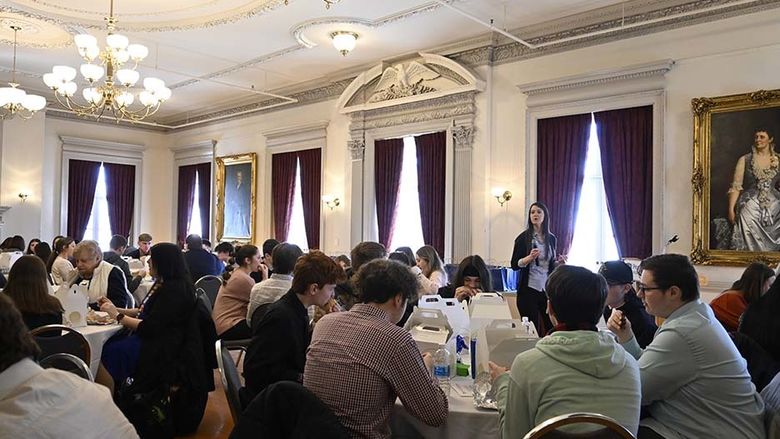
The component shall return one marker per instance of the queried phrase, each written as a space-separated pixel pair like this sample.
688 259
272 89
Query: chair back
210 284
61 339
204 299
550 429
231 381
68 363
289 410
771 397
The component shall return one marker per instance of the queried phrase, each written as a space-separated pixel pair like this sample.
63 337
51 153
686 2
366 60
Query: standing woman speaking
534 256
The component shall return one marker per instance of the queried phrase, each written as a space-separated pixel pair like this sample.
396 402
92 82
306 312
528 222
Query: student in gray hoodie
574 369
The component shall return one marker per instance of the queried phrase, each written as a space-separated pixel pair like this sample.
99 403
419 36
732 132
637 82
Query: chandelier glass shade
13 100
111 75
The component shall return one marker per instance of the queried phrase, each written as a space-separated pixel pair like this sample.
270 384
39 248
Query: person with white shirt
37 403
265 293
695 383
59 266
429 270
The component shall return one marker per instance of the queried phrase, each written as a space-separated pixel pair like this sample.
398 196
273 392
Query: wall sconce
331 201
23 196
502 196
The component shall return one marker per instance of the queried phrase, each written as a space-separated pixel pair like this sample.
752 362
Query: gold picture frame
235 196
733 223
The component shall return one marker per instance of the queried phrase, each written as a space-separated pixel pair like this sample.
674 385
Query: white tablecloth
142 291
464 421
97 335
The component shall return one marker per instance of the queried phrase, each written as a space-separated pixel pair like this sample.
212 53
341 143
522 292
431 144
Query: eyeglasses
643 288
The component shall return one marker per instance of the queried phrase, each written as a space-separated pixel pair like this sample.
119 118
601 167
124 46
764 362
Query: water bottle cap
524 319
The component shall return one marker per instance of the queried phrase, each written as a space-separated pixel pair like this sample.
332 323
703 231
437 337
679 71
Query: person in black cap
621 296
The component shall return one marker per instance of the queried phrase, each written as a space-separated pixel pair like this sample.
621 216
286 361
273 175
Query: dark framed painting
236 197
736 179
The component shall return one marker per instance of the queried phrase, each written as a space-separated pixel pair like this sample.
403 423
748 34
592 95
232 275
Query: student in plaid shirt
359 361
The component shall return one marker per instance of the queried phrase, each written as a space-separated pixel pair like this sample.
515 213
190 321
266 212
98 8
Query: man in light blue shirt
695 384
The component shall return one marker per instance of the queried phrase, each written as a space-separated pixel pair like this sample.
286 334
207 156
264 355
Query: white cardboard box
486 307
501 340
74 302
456 313
429 328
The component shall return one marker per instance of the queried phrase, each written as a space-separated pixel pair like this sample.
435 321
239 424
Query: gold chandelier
13 100
327 3
116 93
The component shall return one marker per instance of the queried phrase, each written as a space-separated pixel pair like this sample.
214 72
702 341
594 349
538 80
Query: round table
464 420
97 335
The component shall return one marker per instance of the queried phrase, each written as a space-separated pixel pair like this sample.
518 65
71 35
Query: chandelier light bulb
117 41
127 77
122 56
163 94
125 99
153 84
34 102
147 99
51 80
65 73
90 72
137 52
84 41
69 89
344 42
92 52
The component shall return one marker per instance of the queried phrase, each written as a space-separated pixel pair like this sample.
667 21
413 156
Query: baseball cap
616 272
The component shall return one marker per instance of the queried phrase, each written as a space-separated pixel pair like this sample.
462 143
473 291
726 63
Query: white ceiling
245 44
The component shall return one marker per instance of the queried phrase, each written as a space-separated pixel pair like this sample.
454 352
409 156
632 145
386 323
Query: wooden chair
59 339
68 363
549 429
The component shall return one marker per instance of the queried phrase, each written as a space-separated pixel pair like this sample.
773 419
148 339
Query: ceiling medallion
115 94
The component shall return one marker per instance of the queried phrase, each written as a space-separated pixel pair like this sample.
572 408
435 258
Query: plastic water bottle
526 325
441 368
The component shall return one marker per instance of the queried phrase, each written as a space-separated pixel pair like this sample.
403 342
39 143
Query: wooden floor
217 422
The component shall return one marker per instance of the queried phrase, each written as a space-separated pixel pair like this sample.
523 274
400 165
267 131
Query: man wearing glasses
622 297
694 382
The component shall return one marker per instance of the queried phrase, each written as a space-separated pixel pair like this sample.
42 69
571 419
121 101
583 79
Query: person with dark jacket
144 246
118 246
165 349
277 351
621 296
534 255
200 261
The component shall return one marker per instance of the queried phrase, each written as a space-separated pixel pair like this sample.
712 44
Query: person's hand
141 273
428 360
620 326
464 292
109 308
263 271
532 256
496 370
732 216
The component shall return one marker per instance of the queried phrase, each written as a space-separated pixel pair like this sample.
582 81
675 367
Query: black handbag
149 412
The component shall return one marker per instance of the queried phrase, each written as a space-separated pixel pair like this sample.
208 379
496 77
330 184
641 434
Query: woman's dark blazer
522 249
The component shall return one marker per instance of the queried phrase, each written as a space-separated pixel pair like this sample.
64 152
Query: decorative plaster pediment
427 77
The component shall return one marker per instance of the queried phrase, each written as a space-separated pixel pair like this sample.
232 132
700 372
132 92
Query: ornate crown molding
464 137
448 107
357 149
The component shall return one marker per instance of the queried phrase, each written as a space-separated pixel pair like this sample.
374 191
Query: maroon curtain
562 146
82 182
282 191
388 160
185 201
431 170
311 178
204 198
120 196
626 143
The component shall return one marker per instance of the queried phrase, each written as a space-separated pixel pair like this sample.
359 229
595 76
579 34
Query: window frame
193 154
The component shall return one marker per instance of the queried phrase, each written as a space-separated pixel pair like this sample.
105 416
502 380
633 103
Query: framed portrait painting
236 197
736 179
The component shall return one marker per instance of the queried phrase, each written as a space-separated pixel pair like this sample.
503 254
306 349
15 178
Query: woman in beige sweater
233 299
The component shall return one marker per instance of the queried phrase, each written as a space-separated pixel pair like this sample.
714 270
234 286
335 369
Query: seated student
730 304
361 254
43 251
344 261
266 268
144 246
544 382
31 246
99 277
272 289
118 246
359 361
621 296
59 266
233 298
694 381
28 286
471 278
760 321
279 341
429 270
199 261
224 251
48 403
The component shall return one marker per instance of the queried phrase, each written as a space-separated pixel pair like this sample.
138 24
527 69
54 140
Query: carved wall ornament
402 80
357 149
463 136
701 105
697 180
762 97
